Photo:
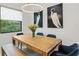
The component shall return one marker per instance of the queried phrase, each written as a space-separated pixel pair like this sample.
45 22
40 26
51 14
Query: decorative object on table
38 18
33 28
55 16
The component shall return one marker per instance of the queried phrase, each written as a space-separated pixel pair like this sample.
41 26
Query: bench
10 50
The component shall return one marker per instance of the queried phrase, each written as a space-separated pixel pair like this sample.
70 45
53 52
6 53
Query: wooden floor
20 52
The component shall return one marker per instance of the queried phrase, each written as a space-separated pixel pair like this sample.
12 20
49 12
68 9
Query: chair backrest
39 33
19 34
51 35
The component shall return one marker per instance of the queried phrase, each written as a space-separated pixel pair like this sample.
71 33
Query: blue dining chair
72 50
19 34
39 33
51 35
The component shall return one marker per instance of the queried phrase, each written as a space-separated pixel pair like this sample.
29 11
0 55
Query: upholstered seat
72 50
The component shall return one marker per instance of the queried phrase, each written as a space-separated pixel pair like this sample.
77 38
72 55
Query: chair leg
13 42
3 53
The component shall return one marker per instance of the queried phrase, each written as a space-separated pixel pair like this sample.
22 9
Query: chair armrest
63 49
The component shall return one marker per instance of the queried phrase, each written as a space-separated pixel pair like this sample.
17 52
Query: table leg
21 46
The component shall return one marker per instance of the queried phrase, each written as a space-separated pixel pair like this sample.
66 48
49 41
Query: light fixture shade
31 8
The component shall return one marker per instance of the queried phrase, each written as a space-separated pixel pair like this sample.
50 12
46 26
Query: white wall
70 33
27 19
71 23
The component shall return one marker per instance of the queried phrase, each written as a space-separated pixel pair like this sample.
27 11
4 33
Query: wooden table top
42 43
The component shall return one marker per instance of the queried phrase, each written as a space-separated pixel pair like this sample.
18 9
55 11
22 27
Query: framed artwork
10 20
38 18
55 16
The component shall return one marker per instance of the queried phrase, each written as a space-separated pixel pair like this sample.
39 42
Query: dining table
40 44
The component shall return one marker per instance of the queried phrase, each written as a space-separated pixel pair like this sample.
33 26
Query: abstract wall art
38 18
55 16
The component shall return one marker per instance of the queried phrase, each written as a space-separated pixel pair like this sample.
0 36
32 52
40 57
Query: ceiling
13 5
19 5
